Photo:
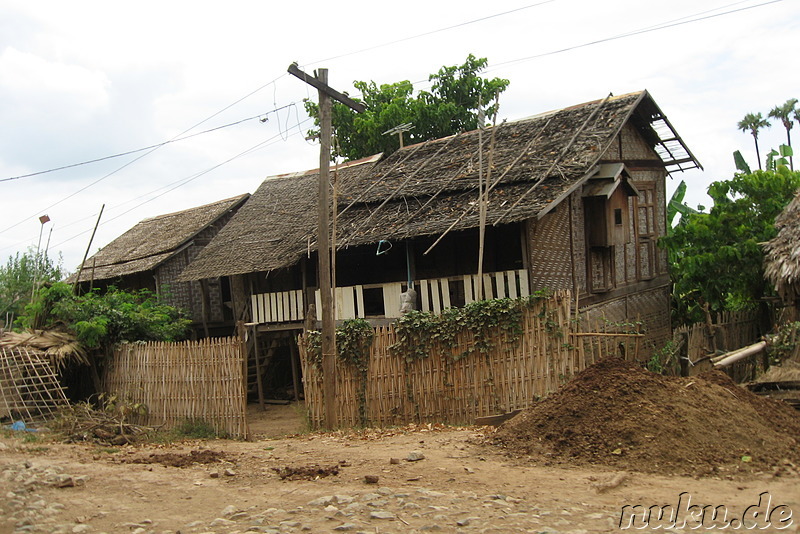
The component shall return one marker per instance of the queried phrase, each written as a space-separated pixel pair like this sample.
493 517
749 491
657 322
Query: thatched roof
426 188
782 261
154 240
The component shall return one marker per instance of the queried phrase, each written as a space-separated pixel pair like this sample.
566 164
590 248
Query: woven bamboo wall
438 389
180 381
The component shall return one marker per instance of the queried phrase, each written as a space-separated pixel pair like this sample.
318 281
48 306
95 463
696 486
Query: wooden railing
435 296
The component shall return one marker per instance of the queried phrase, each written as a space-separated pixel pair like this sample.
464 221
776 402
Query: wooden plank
511 276
301 312
360 301
269 308
391 299
487 287
436 297
293 311
348 303
423 288
501 284
339 310
523 283
318 302
468 293
445 283
254 306
287 306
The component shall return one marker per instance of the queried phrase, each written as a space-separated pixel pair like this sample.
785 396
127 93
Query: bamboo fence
189 380
444 388
29 388
733 330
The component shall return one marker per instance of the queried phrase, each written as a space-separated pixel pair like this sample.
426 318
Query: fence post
683 353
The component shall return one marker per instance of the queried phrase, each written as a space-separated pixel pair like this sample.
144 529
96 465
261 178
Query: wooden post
257 352
683 353
323 233
294 355
88 248
241 333
324 255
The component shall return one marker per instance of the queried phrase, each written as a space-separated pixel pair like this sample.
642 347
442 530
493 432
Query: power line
648 29
248 95
157 145
180 183
432 32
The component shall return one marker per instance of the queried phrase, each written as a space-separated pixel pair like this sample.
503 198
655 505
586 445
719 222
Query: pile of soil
617 414
306 472
172 459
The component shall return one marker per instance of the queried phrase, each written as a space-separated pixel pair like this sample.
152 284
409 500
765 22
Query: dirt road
428 479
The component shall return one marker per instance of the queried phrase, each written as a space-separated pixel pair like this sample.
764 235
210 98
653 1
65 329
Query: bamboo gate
444 388
189 380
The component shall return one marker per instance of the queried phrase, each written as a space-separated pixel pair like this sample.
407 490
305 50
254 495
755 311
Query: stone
380 514
229 510
221 522
415 456
344 527
371 479
463 522
78 529
322 501
344 499
229 473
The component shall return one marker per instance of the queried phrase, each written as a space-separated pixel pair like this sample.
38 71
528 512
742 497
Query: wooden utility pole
323 233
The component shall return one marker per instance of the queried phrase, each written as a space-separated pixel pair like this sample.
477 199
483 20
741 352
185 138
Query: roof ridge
226 200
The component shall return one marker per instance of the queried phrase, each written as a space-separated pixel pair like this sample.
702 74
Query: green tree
98 321
784 113
450 107
17 278
754 122
716 257
101 320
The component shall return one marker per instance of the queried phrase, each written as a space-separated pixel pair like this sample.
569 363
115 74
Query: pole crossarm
325 88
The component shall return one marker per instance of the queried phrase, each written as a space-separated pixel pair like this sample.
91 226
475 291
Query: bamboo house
575 200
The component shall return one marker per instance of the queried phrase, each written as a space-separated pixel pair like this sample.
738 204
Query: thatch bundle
61 347
782 262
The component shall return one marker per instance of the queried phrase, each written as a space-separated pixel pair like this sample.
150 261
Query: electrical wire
157 145
679 22
180 183
432 32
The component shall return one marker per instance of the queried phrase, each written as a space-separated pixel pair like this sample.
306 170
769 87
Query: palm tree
754 122
784 113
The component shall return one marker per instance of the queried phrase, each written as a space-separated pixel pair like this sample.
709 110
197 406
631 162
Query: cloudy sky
85 80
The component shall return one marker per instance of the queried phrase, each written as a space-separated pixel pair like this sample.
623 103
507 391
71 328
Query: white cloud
85 79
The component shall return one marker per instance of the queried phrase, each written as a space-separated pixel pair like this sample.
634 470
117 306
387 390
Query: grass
30 438
187 429
305 413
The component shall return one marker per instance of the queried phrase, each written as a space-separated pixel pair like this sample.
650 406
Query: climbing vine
353 341
417 332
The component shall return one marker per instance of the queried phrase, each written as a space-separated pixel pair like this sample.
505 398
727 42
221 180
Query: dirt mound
788 371
617 414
